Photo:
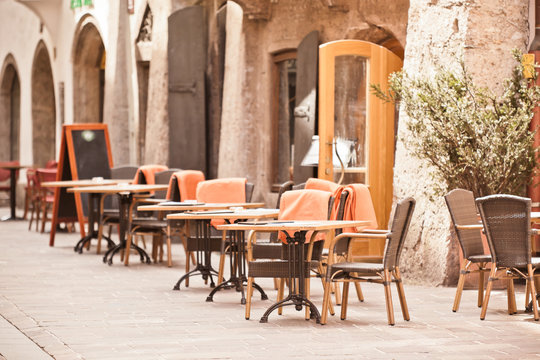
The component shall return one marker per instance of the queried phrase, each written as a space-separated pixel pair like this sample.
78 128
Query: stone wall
483 32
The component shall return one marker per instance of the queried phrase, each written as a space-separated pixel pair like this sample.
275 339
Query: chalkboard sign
85 153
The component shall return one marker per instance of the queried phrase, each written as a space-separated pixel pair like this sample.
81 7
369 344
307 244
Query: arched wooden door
359 123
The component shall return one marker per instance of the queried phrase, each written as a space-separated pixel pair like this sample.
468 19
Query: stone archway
43 107
88 74
10 109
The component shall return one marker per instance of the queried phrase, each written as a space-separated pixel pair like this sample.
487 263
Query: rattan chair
467 228
350 271
507 224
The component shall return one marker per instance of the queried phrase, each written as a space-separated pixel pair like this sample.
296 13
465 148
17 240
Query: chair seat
364 268
267 250
148 225
195 244
479 258
276 269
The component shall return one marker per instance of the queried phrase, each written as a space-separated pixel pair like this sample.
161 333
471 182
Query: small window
284 89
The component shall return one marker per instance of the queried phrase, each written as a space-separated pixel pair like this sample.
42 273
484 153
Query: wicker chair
507 224
467 228
349 271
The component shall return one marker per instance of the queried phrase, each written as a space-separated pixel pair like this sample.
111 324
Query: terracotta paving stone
70 306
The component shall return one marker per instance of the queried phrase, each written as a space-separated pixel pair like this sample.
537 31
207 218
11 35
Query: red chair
31 195
46 195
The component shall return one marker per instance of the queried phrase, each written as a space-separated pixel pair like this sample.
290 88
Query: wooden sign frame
68 206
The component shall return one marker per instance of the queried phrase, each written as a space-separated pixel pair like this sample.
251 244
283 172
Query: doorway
354 121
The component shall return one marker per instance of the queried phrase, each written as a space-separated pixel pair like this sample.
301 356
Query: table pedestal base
238 284
299 301
93 235
205 271
107 258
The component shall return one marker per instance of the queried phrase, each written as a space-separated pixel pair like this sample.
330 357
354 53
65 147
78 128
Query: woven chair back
462 210
400 226
507 224
163 178
123 172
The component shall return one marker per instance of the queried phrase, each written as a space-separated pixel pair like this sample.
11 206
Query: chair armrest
470 227
361 235
375 231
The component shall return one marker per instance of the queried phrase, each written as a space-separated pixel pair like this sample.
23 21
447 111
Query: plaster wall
289 21
463 29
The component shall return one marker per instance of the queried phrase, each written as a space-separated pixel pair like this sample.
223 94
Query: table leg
297 269
125 202
204 265
93 217
238 277
12 195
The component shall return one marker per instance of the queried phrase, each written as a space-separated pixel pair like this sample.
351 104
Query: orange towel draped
187 181
148 172
228 190
304 205
359 206
321 184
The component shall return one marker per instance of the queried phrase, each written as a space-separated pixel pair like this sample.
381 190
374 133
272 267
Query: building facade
233 87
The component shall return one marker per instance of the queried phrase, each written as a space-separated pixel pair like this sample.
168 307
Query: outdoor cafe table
162 206
93 210
12 189
125 194
295 242
237 247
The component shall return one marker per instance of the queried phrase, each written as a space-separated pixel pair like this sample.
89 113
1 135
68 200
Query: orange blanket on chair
304 205
187 181
321 184
148 172
228 190
359 206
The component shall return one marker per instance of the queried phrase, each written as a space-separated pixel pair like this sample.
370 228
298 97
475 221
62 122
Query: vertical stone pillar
236 129
483 32
118 103
157 119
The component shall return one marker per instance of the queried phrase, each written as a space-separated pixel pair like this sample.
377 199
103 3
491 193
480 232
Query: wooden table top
294 225
226 214
85 182
197 206
15 167
118 188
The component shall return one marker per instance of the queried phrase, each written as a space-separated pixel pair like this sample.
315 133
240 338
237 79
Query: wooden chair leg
38 215
511 297
480 285
128 247
249 293
461 283
169 254
337 293
186 281
488 291
533 291
359 292
44 220
344 300
307 290
388 296
221 270
527 292
401 295
276 283
326 300
281 290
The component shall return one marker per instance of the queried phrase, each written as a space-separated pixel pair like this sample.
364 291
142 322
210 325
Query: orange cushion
149 173
187 181
304 205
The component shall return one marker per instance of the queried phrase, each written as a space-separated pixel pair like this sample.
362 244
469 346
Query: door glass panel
350 117
287 89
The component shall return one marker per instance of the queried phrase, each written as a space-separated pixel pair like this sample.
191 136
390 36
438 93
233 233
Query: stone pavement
56 303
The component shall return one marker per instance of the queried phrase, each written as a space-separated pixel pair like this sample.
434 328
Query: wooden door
305 109
354 118
186 104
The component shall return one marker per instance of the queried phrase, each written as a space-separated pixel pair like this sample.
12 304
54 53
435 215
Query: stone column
118 102
483 32
157 118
